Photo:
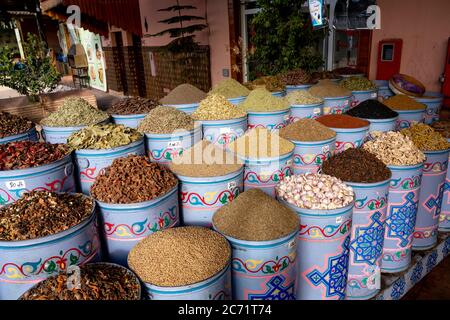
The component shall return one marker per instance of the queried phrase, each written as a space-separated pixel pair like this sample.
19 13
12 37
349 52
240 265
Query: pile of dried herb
358 84
75 112
426 138
132 179
216 107
164 120
306 130
271 83
103 137
184 94
356 165
27 154
260 100
302 97
40 213
296 77
255 216
11 124
229 88
98 281
134 105
329 89
179 256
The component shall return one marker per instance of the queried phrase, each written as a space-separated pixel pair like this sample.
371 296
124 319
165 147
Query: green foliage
283 39
33 75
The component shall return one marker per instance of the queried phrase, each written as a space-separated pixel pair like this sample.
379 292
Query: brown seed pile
329 89
179 256
205 159
261 143
11 124
296 77
306 130
255 216
216 107
356 165
184 94
134 105
132 179
402 102
40 213
425 138
98 281
164 120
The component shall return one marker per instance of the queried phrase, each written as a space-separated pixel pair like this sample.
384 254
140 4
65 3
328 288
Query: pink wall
424 26
216 35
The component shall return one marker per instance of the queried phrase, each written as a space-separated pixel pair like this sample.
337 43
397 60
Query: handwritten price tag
232 185
16 185
174 144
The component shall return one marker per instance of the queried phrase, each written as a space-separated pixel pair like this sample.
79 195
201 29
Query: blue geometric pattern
335 276
402 220
446 248
431 261
417 273
275 290
436 202
398 289
368 243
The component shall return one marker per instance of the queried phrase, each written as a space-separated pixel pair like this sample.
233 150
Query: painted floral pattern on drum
401 219
276 289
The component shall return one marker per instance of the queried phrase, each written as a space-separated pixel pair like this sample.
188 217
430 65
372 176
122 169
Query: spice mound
179 256
103 137
358 84
40 213
205 159
11 124
229 88
75 112
342 121
255 216
260 143
402 102
260 100
296 77
134 105
329 89
306 130
217 107
132 179
443 127
426 138
271 83
27 154
372 109
356 165
165 120
184 94
98 281
394 149
321 75
301 97
315 191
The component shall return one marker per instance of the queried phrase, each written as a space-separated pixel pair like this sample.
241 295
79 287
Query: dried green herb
103 137
165 120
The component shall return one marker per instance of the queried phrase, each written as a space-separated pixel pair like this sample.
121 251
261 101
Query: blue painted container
218 287
188 108
323 252
27 262
162 148
403 201
278 94
384 91
337 105
305 111
290 88
350 138
55 177
90 162
237 100
61 134
30 135
367 239
407 118
272 120
264 270
128 120
430 200
361 96
265 174
433 101
382 125
223 132
201 197
444 218
124 225
309 156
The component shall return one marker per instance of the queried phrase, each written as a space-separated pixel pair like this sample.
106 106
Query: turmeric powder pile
402 102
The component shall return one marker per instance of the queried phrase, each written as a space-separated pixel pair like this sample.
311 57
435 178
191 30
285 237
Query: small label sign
174 144
232 185
16 185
